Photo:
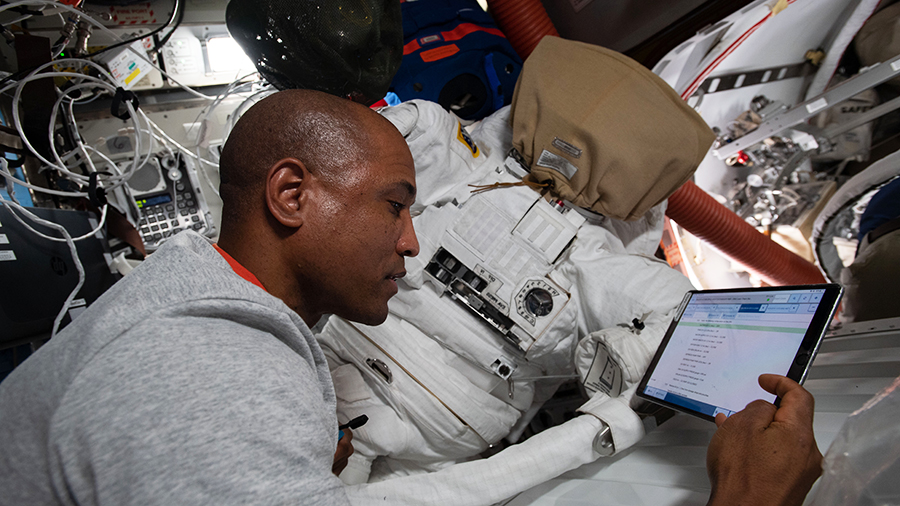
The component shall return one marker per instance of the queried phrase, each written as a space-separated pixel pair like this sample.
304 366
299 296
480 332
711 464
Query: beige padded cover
607 133
879 39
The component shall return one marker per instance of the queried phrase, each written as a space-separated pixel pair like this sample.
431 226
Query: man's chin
371 319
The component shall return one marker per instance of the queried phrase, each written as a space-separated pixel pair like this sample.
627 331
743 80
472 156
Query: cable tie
123 95
96 193
531 184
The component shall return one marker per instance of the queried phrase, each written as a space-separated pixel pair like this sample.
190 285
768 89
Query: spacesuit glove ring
622 425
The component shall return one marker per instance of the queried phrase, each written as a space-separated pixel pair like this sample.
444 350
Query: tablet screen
710 361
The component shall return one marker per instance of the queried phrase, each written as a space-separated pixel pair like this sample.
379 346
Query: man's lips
394 277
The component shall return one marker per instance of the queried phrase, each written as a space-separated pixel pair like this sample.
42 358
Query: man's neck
270 268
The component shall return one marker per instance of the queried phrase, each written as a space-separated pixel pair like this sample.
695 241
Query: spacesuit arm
622 356
626 303
488 481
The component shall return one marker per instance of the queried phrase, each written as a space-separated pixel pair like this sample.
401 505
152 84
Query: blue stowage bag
454 55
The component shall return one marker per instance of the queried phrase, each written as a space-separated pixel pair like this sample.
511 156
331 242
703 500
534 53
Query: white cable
85 81
186 151
17 20
117 180
80 146
165 136
9 177
252 99
112 34
208 179
68 240
5 167
58 239
17 122
10 188
236 86
130 203
74 126
162 142
111 164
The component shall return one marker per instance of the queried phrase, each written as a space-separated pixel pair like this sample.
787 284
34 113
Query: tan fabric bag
606 133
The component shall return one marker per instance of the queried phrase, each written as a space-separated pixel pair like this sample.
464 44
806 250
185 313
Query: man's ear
286 183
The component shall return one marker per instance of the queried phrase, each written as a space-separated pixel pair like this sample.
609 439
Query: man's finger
777 384
797 405
754 417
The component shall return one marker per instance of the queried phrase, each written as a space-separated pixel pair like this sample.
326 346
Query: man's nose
408 245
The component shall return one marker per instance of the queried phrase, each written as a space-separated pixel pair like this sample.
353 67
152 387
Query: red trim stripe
239 269
715 63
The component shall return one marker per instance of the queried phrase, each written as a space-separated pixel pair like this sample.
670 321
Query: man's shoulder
186 282
206 359
175 406
184 297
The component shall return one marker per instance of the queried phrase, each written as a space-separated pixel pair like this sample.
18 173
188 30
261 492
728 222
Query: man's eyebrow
409 189
403 186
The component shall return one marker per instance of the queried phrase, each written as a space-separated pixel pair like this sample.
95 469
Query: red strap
411 47
467 28
239 269
457 33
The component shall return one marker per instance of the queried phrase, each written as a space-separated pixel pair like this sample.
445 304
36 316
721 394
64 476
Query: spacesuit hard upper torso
508 295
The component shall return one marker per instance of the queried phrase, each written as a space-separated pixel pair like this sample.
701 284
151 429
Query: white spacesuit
508 295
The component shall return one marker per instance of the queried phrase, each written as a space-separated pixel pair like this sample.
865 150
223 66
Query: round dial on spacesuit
539 302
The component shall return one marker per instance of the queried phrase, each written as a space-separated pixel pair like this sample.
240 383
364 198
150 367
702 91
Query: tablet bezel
803 358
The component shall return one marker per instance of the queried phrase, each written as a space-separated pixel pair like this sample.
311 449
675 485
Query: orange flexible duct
703 216
525 23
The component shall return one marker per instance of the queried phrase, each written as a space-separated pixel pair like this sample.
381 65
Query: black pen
356 423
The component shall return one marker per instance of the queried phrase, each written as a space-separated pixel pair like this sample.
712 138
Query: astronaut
521 283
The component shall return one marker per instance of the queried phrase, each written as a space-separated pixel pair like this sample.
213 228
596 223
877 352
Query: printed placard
605 374
557 163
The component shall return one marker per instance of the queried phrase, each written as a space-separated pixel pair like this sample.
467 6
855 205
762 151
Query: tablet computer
722 340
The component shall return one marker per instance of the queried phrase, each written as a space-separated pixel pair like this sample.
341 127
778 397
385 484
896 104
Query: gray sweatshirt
183 384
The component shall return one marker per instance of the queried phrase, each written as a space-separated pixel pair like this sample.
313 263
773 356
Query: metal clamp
603 442
381 368
805 110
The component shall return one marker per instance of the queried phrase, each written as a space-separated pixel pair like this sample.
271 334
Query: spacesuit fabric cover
447 396
607 133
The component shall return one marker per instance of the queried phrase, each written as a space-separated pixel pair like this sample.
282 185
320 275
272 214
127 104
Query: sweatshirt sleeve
196 411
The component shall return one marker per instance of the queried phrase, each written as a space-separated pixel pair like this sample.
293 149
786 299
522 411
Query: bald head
317 192
330 135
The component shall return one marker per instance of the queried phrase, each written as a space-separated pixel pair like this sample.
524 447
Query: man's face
363 231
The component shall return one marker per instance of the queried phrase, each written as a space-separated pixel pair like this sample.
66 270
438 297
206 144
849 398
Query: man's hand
343 452
764 456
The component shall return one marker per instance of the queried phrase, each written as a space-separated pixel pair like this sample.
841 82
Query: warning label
135 14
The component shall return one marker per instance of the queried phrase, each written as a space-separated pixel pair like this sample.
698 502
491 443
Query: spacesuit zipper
419 382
